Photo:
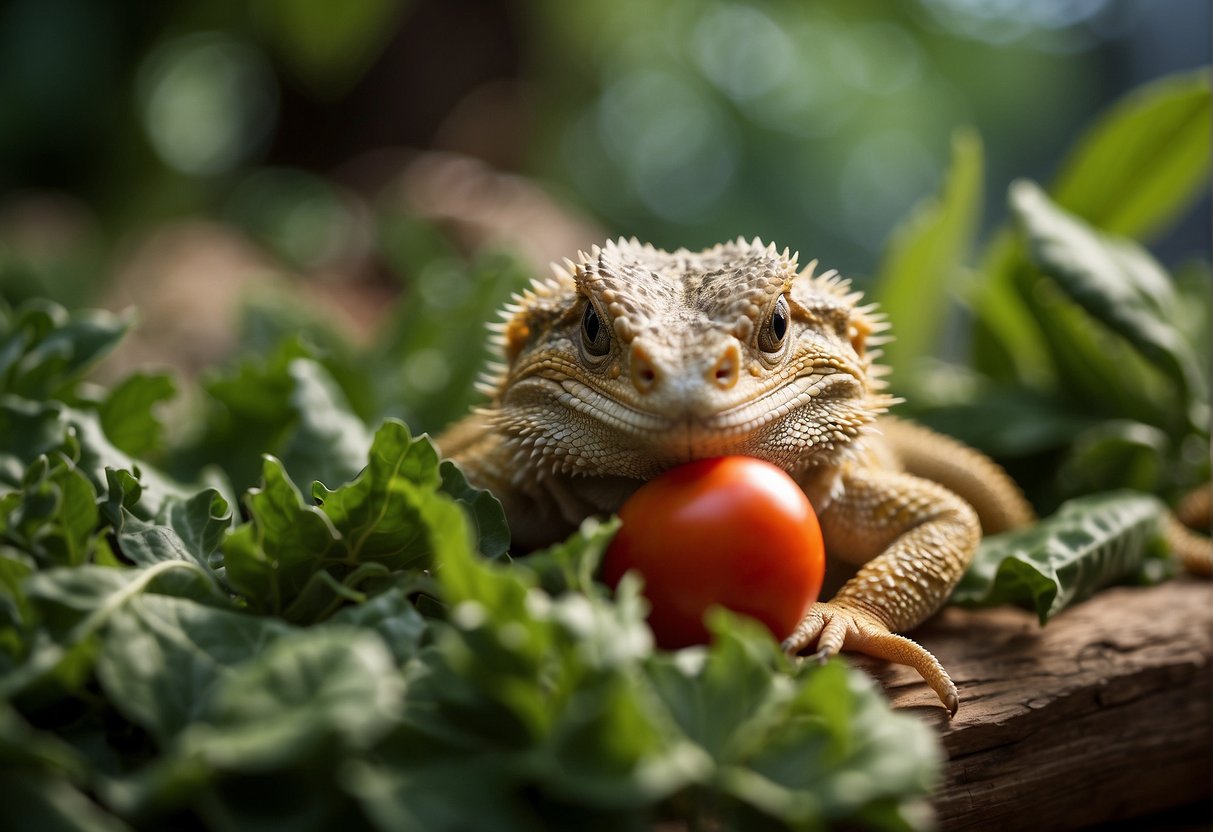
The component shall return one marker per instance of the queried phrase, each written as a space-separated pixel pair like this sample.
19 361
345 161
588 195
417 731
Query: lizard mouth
696 434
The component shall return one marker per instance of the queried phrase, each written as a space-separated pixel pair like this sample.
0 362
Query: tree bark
1104 714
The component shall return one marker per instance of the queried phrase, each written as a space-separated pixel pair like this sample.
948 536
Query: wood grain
1104 714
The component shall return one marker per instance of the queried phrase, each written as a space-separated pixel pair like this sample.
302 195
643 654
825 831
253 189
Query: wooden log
1104 714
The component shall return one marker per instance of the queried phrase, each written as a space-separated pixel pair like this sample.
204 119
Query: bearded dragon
631 360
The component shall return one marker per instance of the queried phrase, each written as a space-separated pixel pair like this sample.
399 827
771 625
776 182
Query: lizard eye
594 336
770 338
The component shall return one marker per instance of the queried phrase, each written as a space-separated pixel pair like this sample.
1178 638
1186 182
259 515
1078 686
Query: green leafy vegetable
172 684
1116 282
188 530
1089 543
330 442
764 732
44 349
301 560
1087 359
1134 172
163 656
127 416
327 685
1144 161
435 345
285 404
483 510
923 262
53 516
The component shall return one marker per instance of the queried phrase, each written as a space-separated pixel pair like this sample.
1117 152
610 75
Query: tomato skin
734 531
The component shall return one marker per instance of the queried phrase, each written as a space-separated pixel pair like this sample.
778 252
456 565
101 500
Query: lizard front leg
915 540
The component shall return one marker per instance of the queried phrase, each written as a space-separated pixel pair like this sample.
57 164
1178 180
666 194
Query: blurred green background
245 173
684 122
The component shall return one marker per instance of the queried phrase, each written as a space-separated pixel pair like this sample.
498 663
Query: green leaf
1115 281
274 732
127 412
299 697
714 694
15 567
248 414
1089 543
1195 310
827 753
609 749
434 347
483 510
1099 373
1118 453
921 266
271 558
605 633
390 614
570 566
391 518
36 750
329 443
268 321
432 797
587 737
1008 345
189 530
44 349
73 605
1132 173
122 491
40 801
27 430
97 454
500 640
1144 161
808 746
54 516
163 657
394 512
287 405
1005 422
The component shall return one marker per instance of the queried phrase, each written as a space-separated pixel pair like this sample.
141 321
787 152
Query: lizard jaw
568 427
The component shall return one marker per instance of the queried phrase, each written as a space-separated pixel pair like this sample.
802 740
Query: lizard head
631 360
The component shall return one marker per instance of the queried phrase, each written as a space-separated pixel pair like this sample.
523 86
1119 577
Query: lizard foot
833 627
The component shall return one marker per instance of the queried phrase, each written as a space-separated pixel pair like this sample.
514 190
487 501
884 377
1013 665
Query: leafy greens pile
365 654
1085 373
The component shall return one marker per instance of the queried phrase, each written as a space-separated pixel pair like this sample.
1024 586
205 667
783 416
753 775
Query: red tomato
734 531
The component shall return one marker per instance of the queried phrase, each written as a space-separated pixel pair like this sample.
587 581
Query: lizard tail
1194 550
1196 509
977 479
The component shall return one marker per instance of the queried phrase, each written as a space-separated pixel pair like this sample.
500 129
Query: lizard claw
834 627
820 657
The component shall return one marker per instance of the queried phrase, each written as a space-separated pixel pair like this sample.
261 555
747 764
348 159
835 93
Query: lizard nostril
644 374
725 371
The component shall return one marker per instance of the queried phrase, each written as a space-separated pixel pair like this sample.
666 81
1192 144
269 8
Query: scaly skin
633 360
1192 549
